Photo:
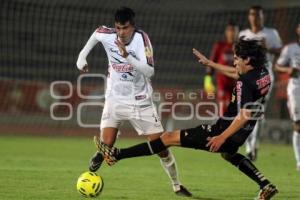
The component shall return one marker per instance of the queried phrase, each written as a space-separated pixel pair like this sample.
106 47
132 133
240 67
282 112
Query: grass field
41 168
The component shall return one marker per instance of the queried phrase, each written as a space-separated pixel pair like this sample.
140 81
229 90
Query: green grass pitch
41 168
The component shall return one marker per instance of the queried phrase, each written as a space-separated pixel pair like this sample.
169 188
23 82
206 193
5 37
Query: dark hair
124 14
257 8
231 23
252 49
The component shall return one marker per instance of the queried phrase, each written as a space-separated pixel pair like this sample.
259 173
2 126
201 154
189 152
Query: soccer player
231 130
289 62
129 92
272 42
222 53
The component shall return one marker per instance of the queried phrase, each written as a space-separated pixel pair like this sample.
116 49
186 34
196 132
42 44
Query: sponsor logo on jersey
263 82
239 85
122 68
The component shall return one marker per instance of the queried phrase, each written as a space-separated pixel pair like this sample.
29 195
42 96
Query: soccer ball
89 184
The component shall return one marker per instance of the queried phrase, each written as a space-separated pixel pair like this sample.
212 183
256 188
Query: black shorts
197 138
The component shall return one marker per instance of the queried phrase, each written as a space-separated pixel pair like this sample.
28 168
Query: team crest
148 52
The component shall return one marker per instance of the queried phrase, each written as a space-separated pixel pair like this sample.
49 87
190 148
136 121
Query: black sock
143 149
247 167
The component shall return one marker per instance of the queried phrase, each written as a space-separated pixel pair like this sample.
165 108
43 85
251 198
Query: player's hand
122 48
201 58
214 143
85 69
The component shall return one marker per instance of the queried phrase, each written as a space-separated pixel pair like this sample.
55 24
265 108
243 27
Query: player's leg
296 143
109 130
267 190
168 163
146 122
294 108
190 138
251 148
108 137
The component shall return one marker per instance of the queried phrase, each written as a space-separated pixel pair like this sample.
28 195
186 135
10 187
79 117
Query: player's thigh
146 122
114 114
171 138
196 137
294 105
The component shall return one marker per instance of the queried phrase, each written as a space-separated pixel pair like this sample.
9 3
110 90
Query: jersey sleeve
93 40
276 40
144 61
284 57
244 94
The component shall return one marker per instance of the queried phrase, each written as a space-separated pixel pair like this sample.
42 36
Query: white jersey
290 56
128 79
270 35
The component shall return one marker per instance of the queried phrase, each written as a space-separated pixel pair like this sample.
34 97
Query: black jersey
250 92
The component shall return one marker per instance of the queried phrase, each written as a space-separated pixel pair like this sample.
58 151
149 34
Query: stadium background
40 42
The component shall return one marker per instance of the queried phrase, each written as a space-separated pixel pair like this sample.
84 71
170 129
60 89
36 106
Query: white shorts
143 118
294 102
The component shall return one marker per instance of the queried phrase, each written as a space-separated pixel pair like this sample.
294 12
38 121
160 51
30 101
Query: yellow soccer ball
89 184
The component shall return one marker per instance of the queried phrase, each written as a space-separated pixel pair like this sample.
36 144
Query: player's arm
144 64
239 121
213 56
81 63
282 65
226 70
277 44
286 69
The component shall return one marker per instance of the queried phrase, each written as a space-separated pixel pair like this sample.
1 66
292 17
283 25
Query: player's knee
226 156
171 138
164 153
297 126
166 138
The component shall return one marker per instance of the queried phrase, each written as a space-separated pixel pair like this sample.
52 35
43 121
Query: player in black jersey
230 131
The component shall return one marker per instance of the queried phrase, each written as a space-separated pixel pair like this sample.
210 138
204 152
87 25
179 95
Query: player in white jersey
273 44
289 62
128 94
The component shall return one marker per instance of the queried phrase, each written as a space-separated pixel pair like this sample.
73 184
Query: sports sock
169 165
251 140
296 146
143 149
248 168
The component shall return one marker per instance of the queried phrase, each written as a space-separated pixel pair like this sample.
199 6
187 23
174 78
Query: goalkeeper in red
231 130
222 53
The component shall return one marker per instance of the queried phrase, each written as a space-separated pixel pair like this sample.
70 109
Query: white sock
248 144
169 165
255 135
296 146
251 140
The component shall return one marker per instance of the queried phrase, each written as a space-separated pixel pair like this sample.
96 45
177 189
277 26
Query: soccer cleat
182 191
108 153
267 192
95 162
